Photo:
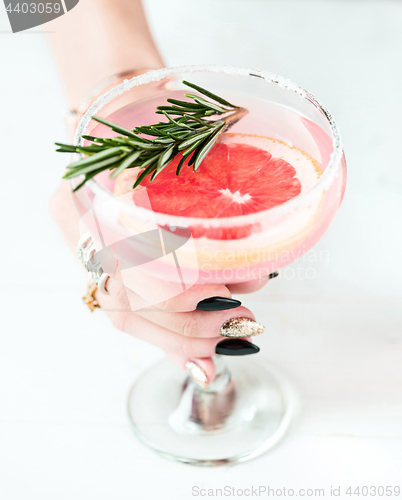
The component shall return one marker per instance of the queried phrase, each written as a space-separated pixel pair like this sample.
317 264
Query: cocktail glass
249 406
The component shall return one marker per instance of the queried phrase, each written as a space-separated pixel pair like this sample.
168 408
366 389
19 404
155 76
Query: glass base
244 413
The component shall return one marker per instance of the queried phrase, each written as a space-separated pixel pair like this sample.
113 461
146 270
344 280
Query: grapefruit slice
243 174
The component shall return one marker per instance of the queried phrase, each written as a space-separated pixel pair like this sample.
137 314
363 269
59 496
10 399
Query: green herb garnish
192 133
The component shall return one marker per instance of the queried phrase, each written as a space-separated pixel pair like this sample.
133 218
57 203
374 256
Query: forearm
99 38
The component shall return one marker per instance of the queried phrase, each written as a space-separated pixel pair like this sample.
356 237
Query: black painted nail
273 275
236 347
217 304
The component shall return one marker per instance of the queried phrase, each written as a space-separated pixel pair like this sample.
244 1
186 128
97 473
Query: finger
165 295
143 329
203 324
159 336
251 286
202 370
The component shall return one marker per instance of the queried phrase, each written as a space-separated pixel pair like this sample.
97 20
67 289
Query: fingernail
236 347
273 275
217 304
241 327
197 374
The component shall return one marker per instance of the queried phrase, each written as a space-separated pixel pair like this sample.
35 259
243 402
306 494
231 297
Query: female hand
187 327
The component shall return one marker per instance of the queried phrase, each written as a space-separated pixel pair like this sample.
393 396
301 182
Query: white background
64 373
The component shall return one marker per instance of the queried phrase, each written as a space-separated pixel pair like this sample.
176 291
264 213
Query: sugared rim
239 220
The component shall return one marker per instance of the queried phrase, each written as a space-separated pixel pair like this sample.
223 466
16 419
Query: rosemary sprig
188 130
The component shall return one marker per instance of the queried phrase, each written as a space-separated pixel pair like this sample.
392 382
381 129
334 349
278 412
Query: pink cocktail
263 196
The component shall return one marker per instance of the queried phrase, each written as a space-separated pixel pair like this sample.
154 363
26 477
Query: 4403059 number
34 8
374 491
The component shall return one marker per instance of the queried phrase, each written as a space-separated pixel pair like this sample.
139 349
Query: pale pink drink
248 246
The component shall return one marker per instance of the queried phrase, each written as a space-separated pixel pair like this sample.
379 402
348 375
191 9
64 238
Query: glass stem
222 376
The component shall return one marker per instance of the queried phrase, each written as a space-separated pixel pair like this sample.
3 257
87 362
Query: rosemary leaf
87 178
89 138
207 148
185 104
143 175
193 139
181 162
170 111
90 168
115 127
65 148
89 160
164 159
126 164
207 104
210 94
